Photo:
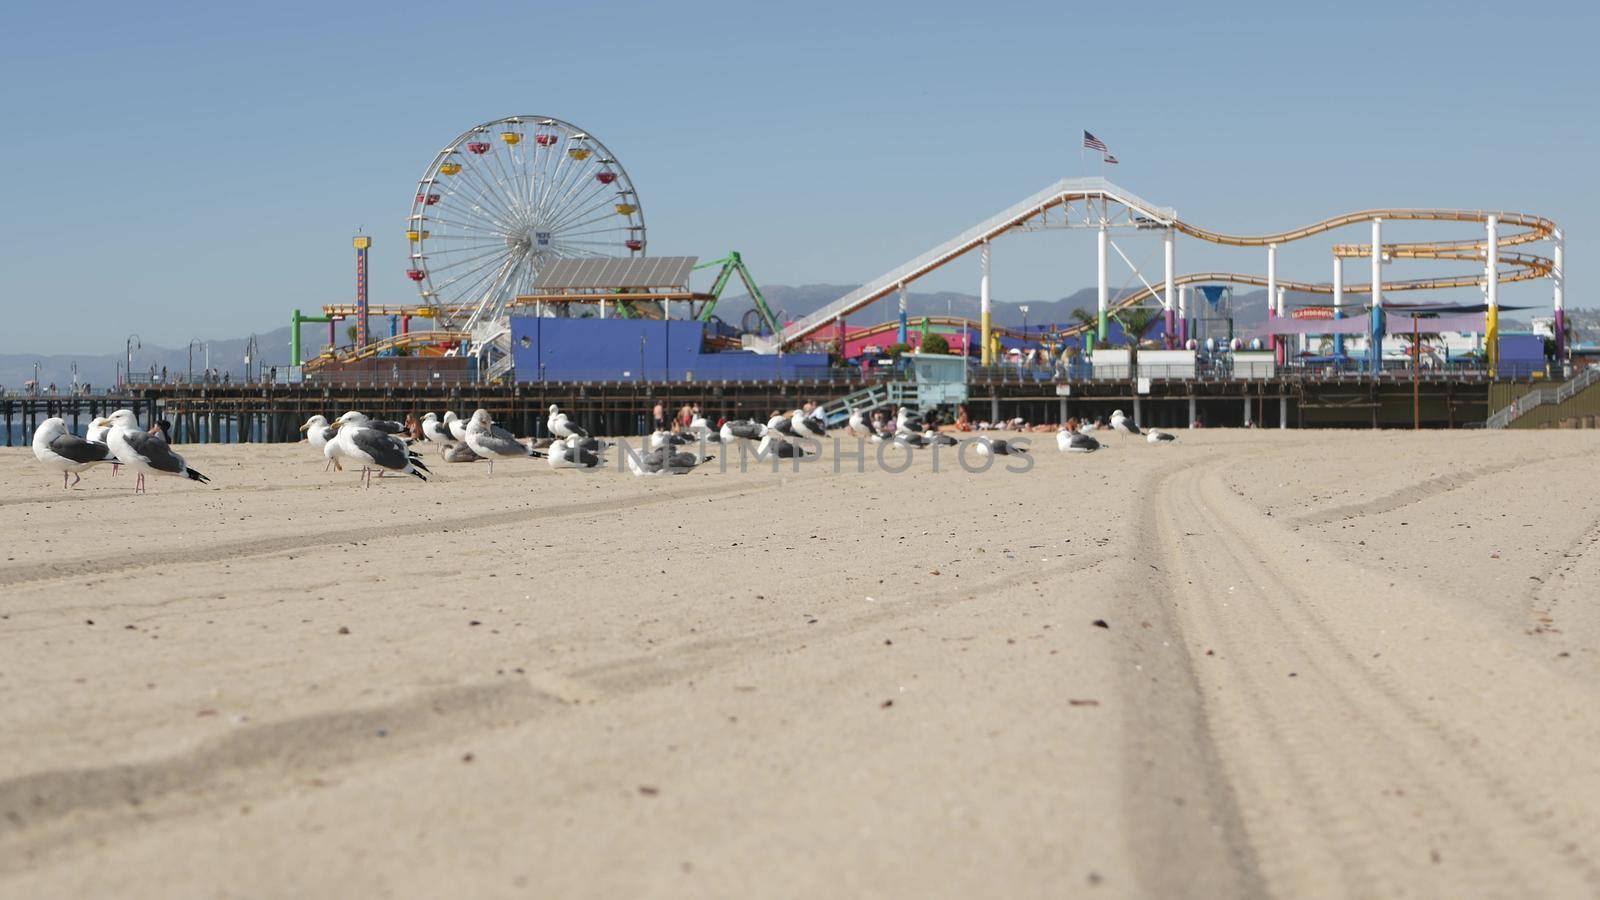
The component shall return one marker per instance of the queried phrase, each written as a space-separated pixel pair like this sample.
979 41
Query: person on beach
660 417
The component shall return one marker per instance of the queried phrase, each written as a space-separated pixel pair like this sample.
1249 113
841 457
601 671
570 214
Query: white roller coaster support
1166 288
1103 284
1272 295
1183 311
983 304
1491 290
1338 301
1374 331
1558 279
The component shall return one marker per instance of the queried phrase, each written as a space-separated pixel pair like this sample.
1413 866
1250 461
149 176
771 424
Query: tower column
1183 316
901 334
1166 296
983 305
1558 277
1491 289
1375 350
1102 283
1338 303
1273 312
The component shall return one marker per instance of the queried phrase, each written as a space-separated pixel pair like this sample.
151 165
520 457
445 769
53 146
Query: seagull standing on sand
782 424
665 461
96 433
1122 423
60 449
987 446
857 425
318 434
574 453
458 453
455 425
1070 441
560 426
742 429
145 453
807 426
435 430
358 441
491 441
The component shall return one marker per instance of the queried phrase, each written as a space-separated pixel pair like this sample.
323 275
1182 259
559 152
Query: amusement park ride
509 201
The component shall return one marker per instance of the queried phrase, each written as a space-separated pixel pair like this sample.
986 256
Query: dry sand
1337 664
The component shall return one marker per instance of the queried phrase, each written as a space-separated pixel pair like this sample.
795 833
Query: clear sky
196 170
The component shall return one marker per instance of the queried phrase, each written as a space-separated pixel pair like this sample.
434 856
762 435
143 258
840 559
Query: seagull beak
306 427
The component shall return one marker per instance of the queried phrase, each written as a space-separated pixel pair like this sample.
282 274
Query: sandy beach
1249 664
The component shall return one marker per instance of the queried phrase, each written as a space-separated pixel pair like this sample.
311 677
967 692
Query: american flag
1111 159
1090 142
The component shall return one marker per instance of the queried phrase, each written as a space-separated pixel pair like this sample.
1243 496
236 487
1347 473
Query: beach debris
1101 623
649 790
344 629
1071 702
886 704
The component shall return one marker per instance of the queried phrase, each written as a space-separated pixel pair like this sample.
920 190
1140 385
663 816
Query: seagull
661 439
573 453
665 461
145 453
987 446
1069 441
906 420
435 430
1122 423
389 427
491 441
857 425
59 448
455 425
560 426
96 433
458 453
939 439
699 428
1156 436
775 446
318 433
782 424
806 426
742 428
358 441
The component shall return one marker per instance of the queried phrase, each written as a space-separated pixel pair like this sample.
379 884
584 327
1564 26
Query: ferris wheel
501 201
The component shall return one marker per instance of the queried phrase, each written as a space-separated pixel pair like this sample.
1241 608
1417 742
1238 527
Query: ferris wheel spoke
596 216
594 196
484 194
465 226
492 246
592 212
557 176
503 184
482 272
500 251
562 194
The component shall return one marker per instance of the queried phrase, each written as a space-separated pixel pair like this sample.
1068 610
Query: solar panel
607 273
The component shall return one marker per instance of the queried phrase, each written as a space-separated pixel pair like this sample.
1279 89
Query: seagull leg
76 478
138 486
329 465
63 479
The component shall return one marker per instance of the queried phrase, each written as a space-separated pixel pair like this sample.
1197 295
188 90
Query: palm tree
1088 321
1135 322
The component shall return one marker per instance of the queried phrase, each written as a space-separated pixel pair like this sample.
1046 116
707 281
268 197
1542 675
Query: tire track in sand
1347 785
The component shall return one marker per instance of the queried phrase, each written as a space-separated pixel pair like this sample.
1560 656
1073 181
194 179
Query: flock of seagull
385 447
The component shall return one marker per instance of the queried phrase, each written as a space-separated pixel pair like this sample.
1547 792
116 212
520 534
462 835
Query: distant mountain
100 370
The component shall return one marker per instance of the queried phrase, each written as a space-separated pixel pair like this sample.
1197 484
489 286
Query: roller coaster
1097 204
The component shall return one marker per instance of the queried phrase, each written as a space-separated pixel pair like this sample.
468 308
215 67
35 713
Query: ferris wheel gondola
503 200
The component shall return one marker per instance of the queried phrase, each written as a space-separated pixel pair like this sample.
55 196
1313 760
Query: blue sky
196 170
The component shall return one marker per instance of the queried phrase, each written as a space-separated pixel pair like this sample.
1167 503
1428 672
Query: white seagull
560 426
455 425
807 426
987 446
359 442
59 448
1122 423
1068 441
742 428
858 426
145 453
435 430
665 461
573 453
492 442
318 433
1157 436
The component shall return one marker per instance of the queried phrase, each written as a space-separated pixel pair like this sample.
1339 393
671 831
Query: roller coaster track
399 341
1513 265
